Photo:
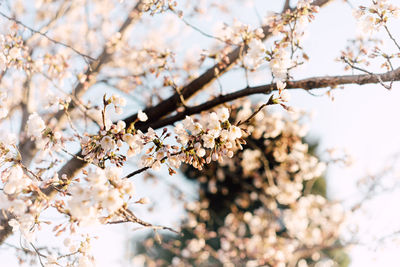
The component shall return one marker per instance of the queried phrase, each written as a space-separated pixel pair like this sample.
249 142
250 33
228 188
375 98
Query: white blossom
16 180
112 201
255 54
280 64
142 116
35 126
223 114
14 53
107 143
208 140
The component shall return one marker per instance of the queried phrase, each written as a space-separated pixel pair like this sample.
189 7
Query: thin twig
366 71
201 31
391 36
136 172
130 217
254 113
86 57
40 255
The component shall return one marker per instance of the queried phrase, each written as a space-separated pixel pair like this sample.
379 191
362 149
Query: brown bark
75 165
157 112
172 103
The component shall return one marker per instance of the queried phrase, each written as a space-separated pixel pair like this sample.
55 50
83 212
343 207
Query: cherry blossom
94 93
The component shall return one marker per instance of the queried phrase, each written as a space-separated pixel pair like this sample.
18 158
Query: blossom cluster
253 209
369 45
158 6
255 55
45 138
82 248
283 138
290 27
313 220
360 51
103 194
152 56
376 15
15 54
239 33
82 206
99 147
242 35
13 50
15 201
369 49
48 80
211 138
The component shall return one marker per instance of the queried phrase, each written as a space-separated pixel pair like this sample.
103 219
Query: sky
362 119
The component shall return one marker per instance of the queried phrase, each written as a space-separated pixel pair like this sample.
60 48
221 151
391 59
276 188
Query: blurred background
361 120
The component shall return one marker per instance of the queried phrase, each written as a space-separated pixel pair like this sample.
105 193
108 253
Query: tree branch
74 166
167 106
170 104
306 84
93 69
155 113
287 5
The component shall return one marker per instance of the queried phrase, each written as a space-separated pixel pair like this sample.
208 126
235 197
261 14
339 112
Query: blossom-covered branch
172 103
75 164
165 107
306 84
256 176
28 147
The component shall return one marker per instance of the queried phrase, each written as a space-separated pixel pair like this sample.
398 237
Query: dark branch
169 105
75 164
306 84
